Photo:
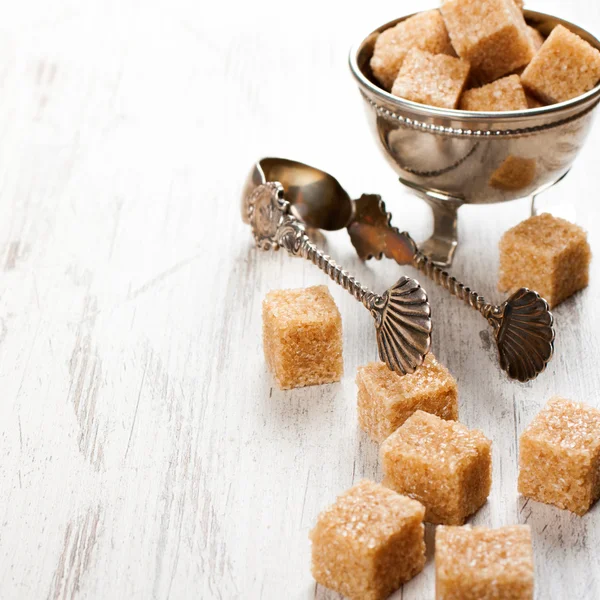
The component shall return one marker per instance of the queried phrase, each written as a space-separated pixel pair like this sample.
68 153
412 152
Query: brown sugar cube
302 337
515 173
368 543
537 39
504 94
490 34
546 254
559 456
442 464
477 563
425 31
565 67
386 399
433 79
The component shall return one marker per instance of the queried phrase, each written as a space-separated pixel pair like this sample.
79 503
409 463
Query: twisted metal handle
450 283
292 236
523 324
309 251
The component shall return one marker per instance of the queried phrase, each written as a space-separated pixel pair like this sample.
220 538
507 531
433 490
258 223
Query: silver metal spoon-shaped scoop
402 314
523 324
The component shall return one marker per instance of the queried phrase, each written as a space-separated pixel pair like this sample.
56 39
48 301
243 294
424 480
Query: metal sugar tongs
402 314
281 196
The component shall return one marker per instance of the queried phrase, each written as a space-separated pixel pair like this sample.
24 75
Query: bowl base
440 247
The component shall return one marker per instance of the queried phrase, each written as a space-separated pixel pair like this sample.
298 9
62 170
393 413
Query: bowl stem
440 247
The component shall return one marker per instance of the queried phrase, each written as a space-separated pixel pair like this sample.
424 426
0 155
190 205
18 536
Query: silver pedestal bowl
453 157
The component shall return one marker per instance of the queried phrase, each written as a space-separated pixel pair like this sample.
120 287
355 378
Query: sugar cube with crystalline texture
302 336
368 543
501 95
386 399
546 254
490 34
477 563
434 79
425 31
565 67
559 456
442 464
515 173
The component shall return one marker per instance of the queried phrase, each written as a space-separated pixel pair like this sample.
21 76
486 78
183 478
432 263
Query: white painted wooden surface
145 451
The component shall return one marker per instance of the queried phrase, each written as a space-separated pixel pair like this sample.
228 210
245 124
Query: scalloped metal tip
524 335
403 321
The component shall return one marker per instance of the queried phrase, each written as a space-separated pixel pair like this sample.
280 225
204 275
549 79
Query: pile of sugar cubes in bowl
476 55
482 56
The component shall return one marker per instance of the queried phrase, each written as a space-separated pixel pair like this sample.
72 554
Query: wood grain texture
146 451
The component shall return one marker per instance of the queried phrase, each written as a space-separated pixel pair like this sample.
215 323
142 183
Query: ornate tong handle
522 324
402 314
